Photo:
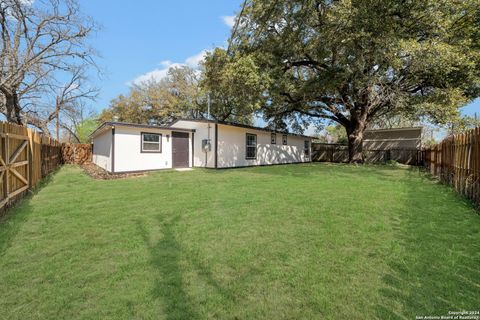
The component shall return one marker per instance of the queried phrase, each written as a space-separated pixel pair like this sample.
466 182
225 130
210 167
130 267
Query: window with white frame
306 149
284 139
251 147
151 142
274 138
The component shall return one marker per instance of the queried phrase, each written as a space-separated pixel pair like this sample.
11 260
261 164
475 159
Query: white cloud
160 73
154 75
229 20
194 61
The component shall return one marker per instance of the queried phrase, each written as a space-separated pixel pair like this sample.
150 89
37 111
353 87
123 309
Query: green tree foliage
234 87
463 124
353 61
84 129
159 102
391 121
337 134
234 84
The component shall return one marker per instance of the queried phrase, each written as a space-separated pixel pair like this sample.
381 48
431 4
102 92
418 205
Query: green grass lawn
309 241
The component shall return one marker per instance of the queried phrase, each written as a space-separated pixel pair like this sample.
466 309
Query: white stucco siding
102 150
128 155
200 157
232 148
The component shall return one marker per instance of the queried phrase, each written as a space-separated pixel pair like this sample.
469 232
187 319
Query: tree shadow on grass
436 270
12 218
207 275
165 258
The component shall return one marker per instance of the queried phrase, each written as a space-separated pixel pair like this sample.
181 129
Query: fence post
30 158
7 162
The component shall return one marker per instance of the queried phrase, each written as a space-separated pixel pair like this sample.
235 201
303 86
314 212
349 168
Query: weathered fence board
456 162
51 152
325 152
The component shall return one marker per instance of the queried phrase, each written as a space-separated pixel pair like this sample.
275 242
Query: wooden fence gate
26 156
14 166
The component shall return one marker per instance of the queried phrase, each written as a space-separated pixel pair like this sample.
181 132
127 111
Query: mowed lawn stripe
294 241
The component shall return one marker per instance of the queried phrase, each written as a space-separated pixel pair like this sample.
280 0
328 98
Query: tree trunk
355 137
13 111
355 146
12 105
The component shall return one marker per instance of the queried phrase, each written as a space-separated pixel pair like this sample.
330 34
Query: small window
151 142
306 149
251 151
284 139
274 138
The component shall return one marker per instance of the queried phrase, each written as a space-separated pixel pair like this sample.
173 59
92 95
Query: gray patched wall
387 139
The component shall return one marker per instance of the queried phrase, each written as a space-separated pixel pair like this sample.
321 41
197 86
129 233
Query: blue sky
140 39
146 36
472 108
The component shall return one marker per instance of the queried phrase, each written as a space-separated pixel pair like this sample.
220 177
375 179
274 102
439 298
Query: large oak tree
351 61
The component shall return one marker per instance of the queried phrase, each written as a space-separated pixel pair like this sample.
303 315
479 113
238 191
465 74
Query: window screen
306 149
151 142
274 138
251 146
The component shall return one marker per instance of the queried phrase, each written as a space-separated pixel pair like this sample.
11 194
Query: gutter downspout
113 149
216 145
206 149
208 131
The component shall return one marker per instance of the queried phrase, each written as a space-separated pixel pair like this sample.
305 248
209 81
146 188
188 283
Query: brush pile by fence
456 162
76 153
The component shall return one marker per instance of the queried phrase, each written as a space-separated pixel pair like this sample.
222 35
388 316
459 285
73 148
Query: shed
390 139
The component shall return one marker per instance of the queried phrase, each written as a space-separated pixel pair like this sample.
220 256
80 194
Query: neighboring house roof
134 125
233 124
395 133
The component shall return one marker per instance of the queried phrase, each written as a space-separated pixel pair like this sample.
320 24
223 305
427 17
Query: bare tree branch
40 40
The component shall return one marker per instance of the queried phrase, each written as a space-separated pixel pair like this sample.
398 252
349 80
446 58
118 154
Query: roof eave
133 125
226 123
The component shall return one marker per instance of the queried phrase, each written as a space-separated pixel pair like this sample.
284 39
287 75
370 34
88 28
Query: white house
126 147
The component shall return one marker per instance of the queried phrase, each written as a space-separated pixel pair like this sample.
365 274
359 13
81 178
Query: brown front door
180 154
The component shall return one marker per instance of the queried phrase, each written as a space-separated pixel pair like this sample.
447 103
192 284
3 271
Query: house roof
233 124
134 125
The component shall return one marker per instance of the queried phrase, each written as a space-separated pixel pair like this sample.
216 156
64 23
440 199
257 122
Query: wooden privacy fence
26 157
328 152
456 162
